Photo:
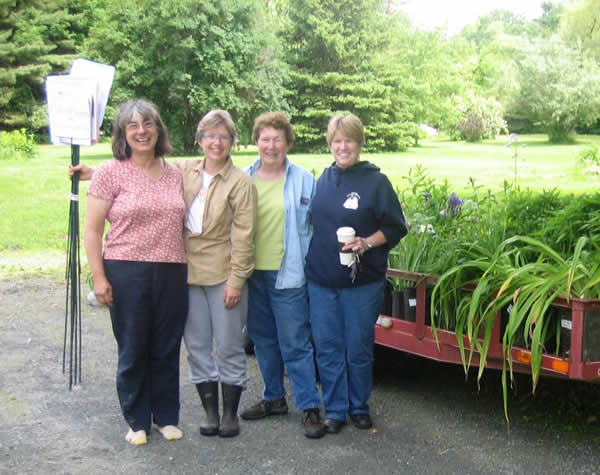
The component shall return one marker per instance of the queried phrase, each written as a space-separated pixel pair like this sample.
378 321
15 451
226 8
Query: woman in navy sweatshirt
345 301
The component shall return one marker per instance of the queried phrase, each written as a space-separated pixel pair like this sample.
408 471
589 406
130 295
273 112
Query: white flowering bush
476 118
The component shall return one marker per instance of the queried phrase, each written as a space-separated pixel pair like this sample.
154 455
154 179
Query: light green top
270 219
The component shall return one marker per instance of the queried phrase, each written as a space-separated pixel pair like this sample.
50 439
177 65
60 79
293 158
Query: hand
85 172
103 291
358 245
231 296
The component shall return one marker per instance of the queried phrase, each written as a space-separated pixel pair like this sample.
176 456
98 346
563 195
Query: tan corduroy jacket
224 250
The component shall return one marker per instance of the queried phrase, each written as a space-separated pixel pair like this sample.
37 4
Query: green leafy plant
527 212
524 272
416 252
17 144
590 155
566 224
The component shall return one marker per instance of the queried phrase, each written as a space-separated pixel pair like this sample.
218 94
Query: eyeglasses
134 126
215 138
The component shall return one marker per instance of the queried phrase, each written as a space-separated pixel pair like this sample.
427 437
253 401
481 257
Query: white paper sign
71 110
77 101
103 73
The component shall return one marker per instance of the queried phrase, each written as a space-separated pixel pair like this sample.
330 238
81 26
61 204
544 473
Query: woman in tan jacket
219 241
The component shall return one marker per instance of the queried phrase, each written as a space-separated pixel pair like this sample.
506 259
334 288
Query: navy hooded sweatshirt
360 197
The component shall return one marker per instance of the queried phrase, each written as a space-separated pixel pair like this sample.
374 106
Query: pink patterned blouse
146 215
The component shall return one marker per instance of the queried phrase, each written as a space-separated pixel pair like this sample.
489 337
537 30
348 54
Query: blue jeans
343 329
279 327
150 303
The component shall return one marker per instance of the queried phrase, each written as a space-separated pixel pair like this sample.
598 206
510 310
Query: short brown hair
147 111
349 125
213 119
277 120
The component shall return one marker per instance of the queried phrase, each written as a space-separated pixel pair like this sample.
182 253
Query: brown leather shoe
264 409
313 427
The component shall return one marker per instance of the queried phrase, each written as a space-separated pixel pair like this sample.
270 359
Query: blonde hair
349 125
213 119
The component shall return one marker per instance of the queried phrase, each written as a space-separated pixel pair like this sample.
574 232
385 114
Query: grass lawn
34 194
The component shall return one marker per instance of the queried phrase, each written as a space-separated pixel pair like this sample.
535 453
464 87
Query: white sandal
171 432
136 437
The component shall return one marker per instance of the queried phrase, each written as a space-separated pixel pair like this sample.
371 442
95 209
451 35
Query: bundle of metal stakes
72 335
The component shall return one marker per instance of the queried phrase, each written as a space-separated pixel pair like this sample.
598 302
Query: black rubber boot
230 424
209 395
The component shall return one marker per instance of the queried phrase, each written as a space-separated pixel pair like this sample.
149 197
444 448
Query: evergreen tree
332 48
37 38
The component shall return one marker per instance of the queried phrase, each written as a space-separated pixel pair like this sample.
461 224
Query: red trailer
581 320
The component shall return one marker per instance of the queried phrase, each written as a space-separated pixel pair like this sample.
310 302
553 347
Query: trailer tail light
561 366
524 357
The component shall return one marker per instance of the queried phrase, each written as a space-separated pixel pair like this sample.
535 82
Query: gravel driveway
432 423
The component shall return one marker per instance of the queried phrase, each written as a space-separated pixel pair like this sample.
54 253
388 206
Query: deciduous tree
559 89
189 57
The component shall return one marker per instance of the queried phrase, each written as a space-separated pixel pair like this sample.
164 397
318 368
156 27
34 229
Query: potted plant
433 214
415 253
528 275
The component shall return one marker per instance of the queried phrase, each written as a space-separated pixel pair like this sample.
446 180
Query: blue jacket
361 197
298 191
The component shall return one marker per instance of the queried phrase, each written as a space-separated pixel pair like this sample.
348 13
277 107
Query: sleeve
243 201
312 197
102 185
389 213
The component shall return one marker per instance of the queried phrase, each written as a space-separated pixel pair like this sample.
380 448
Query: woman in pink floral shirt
141 272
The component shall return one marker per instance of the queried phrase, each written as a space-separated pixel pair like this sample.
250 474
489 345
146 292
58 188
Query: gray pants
210 324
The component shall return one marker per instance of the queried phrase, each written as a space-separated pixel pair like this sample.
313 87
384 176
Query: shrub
526 213
17 144
472 128
579 216
589 158
590 155
476 118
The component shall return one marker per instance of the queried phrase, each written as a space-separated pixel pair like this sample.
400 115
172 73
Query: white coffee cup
344 235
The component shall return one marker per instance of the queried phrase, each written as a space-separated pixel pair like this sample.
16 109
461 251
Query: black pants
148 314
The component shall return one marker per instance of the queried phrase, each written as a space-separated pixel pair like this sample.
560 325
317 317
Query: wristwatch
369 245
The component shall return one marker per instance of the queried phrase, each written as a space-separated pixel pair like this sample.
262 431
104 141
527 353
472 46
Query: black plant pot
404 304
387 299
397 297
591 335
409 304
